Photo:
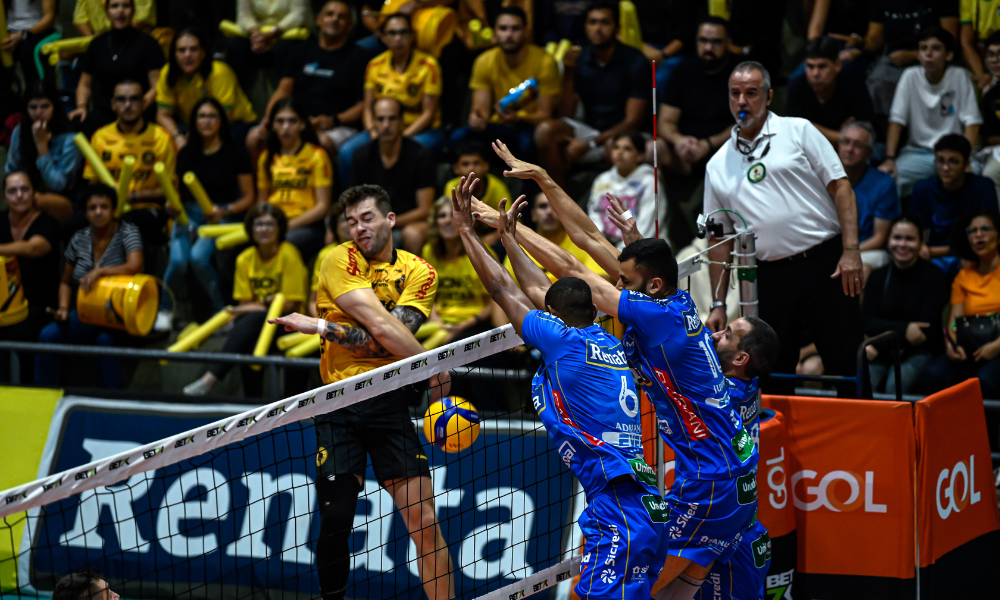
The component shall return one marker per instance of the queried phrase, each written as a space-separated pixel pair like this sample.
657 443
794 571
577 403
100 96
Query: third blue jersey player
585 395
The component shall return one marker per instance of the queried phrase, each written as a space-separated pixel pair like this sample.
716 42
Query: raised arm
498 282
578 225
534 283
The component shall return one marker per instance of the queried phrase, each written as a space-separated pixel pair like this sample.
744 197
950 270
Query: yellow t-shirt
317 267
461 293
496 190
294 177
983 15
490 72
92 12
408 281
980 294
149 146
257 280
422 77
567 245
222 85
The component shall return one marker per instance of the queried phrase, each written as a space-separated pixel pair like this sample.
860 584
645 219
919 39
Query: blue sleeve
14 153
546 333
59 167
887 206
645 315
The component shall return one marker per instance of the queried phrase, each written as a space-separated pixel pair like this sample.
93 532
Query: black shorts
380 428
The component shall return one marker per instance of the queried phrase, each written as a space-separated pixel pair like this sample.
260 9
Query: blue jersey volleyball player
585 396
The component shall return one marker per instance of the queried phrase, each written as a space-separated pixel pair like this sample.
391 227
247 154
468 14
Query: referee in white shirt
787 181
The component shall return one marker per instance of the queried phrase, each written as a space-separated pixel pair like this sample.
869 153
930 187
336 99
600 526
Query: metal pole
745 257
661 466
15 368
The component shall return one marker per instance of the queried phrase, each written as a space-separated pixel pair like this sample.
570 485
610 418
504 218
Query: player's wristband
625 216
320 326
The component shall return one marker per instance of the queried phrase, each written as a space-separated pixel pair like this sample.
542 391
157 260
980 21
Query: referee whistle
743 115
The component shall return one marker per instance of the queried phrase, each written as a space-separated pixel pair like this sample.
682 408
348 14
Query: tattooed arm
363 344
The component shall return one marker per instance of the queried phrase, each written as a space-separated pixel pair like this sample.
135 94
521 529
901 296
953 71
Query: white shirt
931 111
23 14
635 192
782 195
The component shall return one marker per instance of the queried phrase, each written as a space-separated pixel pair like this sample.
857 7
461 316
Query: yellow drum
128 302
13 306
434 26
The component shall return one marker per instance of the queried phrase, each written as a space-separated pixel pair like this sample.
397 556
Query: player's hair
99 190
865 126
514 11
359 193
18 172
572 299
823 47
265 208
403 16
470 147
635 137
960 240
653 258
955 143
910 220
76 586
204 69
274 143
993 39
762 346
751 65
939 33
604 5
715 21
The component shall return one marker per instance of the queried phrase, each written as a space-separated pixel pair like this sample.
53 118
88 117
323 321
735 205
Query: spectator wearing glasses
412 78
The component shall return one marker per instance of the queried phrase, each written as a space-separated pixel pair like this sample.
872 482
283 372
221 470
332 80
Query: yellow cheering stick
232 240
306 348
76 45
188 330
292 339
169 191
231 30
200 196
195 338
219 230
267 331
128 165
95 161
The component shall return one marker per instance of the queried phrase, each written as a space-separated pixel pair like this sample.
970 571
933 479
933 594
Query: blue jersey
585 396
746 396
672 356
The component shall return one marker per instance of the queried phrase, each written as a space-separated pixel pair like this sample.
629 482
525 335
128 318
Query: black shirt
847 16
39 276
664 21
703 98
605 89
896 297
413 171
327 82
218 173
116 55
850 99
990 108
902 20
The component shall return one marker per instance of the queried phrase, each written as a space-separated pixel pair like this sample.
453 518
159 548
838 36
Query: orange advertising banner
956 496
851 480
774 507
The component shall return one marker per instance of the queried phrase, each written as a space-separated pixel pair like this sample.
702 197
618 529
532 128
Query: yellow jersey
567 245
93 13
407 281
222 85
491 72
983 15
496 190
149 146
257 280
314 285
422 77
294 177
461 293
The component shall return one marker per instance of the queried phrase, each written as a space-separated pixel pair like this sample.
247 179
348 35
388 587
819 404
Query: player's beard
725 356
379 240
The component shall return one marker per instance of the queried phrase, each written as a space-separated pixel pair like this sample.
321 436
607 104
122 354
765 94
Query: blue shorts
742 578
625 546
707 517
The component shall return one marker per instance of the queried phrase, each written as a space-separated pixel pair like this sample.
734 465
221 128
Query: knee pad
338 497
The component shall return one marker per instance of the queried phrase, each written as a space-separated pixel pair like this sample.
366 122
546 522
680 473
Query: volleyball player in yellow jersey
371 299
462 307
294 173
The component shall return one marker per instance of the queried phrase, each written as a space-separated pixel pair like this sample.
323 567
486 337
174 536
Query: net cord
198 441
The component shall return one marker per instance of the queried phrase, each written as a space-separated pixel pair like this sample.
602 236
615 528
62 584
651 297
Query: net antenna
656 163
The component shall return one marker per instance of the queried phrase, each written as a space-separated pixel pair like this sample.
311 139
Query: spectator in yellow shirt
90 18
269 267
187 78
410 76
979 18
501 69
462 306
294 173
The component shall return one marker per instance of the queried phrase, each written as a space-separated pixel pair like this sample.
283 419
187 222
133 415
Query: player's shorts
743 577
625 545
707 517
380 428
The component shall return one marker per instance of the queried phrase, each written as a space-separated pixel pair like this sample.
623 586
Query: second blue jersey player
585 395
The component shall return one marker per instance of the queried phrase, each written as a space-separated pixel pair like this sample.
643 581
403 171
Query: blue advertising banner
244 516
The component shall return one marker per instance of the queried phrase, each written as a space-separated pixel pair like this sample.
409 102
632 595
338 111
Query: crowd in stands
277 107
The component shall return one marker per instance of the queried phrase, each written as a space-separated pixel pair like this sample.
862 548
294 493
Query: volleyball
451 424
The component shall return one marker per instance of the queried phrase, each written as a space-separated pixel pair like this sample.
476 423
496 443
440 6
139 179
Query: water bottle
519 96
